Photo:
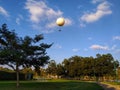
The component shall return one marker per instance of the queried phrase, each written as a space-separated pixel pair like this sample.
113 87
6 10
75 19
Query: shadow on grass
36 85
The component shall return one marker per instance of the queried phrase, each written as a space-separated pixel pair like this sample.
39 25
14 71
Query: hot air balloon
60 22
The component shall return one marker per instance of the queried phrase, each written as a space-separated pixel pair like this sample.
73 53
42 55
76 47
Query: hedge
10 76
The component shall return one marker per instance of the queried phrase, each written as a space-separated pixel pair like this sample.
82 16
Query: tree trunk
17 74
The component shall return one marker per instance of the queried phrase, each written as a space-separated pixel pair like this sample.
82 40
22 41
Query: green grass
113 83
50 85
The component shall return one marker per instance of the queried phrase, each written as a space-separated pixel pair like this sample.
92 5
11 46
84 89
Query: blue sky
91 26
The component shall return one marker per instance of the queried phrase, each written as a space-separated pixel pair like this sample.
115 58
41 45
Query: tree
101 66
66 65
52 68
73 66
88 68
118 72
105 65
60 70
16 51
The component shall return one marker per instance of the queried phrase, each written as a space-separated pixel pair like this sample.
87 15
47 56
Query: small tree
16 51
52 68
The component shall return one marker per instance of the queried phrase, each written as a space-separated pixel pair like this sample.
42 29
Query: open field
50 85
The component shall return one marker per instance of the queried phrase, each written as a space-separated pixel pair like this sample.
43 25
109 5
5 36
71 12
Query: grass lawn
50 85
113 83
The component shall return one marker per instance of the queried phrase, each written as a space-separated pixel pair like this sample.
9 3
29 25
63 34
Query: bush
10 76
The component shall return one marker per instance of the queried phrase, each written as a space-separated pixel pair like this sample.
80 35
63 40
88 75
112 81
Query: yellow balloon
60 21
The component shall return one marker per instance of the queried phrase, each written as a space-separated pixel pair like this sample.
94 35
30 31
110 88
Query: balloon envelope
60 21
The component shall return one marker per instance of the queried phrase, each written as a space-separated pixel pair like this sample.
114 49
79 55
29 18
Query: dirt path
109 86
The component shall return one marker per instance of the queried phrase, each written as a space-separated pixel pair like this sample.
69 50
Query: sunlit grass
113 83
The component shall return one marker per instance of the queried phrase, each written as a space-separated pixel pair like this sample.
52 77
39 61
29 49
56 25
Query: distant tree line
80 67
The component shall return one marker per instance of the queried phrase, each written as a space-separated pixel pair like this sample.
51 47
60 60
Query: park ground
50 85
110 85
59 85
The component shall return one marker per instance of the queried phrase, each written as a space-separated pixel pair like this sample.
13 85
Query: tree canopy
16 51
78 67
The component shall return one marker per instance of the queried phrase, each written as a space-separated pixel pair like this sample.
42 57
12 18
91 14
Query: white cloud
18 19
3 12
51 24
75 50
96 1
40 11
42 16
102 10
99 47
68 22
116 38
